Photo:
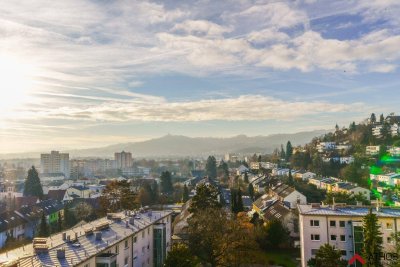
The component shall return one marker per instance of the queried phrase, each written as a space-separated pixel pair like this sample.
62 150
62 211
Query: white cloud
201 27
245 107
383 68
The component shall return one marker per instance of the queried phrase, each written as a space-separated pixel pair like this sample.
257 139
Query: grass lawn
283 257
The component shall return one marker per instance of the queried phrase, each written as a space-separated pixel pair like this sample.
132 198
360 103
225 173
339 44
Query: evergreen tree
251 191
372 240
372 118
59 222
290 178
154 190
181 256
234 206
206 197
239 201
33 187
43 227
289 151
246 178
327 256
211 167
69 217
352 127
166 182
282 154
381 119
185 196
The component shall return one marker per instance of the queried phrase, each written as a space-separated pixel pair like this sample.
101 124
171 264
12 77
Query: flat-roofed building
341 227
120 239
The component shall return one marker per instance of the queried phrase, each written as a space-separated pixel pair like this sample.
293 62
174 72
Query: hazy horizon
83 74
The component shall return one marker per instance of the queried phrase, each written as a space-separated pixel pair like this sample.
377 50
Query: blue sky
81 73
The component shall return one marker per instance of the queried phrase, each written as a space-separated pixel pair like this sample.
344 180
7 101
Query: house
255 165
395 129
372 150
352 189
341 226
324 146
81 191
11 225
346 160
394 151
328 183
59 195
376 130
281 172
388 178
242 169
304 175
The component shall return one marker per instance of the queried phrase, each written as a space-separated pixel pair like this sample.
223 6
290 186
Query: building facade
341 227
123 160
55 163
128 239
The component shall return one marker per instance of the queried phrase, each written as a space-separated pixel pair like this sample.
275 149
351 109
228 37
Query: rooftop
85 246
356 211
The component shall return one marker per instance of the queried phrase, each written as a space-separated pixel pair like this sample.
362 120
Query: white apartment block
388 178
55 163
323 146
122 239
341 227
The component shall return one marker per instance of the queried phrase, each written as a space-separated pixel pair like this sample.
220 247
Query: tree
181 256
372 248
282 154
219 241
289 151
117 196
327 256
146 195
44 230
246 178
83 211
185 196
206 198
211 167
69 217
223 170
166 183
239 201
290 178
59 222
381 119
372 119
33 187
273 235
251 191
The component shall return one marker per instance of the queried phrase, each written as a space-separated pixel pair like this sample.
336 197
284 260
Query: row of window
342 224
315 223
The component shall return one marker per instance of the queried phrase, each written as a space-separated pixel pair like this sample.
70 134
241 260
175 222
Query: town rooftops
348 211
283 190
85 246
9 220
276 211
345 186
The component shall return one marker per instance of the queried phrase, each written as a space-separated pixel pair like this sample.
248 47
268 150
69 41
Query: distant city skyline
82 74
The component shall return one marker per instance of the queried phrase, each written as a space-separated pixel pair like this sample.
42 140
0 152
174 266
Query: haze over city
82 74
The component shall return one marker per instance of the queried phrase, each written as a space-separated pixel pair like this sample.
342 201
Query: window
126 261
343 252
332 223
314 223
343 238
389 226
315 237
342 224
148 231
126 244
134 240
87 265
333 237
314 252
117 249
389 239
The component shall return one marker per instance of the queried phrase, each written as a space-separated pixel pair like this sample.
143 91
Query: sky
79 74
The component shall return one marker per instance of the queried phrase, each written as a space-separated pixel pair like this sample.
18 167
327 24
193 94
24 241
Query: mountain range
180 146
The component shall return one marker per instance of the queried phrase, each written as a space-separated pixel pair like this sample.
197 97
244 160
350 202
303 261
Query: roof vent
98 236
61 253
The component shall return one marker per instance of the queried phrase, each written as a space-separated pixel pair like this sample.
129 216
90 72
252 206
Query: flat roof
349 211
89 246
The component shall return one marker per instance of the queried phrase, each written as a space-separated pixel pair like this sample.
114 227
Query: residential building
123 160
55 163
372 150
304 175
324 146
395 129
388 178
341 226
376 130
351 189
394 151
121 239
255 165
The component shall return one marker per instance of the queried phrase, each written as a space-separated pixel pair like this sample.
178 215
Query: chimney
64 236
61 253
